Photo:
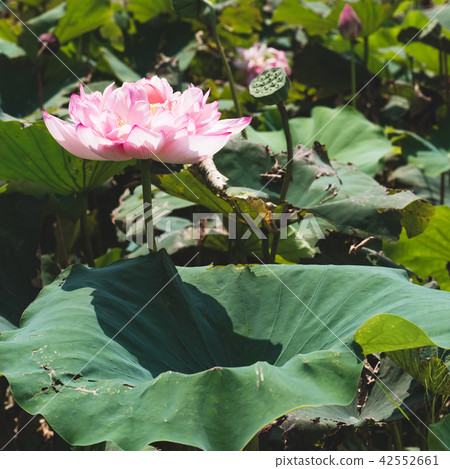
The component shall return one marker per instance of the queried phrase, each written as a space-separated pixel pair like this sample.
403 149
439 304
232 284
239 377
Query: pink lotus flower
260 57
144 120
349 23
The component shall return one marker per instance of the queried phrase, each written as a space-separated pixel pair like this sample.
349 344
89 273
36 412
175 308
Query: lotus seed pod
271 86
49 40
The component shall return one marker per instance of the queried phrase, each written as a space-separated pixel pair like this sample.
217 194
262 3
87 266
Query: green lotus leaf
439 435
347 134
29 152
81 18
429 253
134 353
339 193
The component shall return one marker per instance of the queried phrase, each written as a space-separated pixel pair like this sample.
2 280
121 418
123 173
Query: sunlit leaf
429 253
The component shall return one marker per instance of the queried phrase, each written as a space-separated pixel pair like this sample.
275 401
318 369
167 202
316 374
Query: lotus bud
349 23
50 41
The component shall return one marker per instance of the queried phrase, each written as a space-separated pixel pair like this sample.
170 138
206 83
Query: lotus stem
39 81
224 59
290 152
396 428
353 71
85 232
433 409
146 166
447 83
265 248
288 175
366 50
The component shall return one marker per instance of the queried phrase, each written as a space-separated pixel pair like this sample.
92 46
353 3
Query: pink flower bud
50 41
349 23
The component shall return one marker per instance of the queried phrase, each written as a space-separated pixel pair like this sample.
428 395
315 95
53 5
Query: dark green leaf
30 152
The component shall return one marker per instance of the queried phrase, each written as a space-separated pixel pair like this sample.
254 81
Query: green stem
447 83
366 50
146 166
411 67
225 62
288 176
433 409
397 436
63 257
353 69
290 151
85 232
442 190
265 248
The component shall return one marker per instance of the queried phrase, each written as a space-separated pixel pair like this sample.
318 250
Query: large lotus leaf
21 217
365 207
341 194
429 253
132 353
30 152
347 134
